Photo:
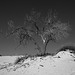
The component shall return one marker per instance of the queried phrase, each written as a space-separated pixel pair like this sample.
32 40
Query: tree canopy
48 27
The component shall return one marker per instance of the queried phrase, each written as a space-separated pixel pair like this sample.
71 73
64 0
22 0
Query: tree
48 27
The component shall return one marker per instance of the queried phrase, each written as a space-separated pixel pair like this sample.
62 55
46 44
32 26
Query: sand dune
63 63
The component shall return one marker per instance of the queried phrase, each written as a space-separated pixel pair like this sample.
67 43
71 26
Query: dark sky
16 11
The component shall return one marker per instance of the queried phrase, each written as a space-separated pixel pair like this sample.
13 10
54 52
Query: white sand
49 65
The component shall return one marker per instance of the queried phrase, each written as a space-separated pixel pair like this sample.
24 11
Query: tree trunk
44 48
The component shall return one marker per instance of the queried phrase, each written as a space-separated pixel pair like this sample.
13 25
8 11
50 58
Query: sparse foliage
52 29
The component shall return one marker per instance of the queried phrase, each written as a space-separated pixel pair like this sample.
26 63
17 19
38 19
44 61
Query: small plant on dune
47 27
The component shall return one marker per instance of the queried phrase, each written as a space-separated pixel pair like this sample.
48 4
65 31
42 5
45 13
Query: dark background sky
16 11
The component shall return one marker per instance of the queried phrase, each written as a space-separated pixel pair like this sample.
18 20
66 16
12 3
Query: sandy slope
63 63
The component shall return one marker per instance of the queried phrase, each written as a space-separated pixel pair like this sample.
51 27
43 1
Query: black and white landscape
32 34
